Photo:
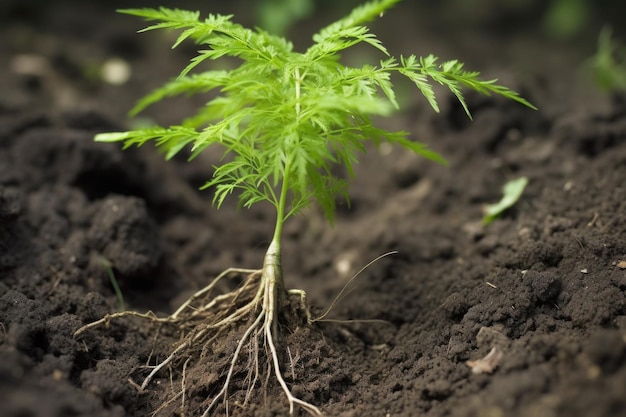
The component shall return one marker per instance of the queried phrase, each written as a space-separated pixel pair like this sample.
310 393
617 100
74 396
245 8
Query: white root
192 319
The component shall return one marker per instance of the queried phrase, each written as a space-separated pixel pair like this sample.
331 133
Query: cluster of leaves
285 118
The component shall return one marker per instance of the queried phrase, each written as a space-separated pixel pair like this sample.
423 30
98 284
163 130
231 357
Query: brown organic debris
488 364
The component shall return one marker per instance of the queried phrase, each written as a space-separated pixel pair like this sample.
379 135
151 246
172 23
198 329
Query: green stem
281 207
118 292
272 289
272 268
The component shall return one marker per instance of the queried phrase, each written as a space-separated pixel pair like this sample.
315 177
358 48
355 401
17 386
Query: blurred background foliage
608 65
566 25
559 19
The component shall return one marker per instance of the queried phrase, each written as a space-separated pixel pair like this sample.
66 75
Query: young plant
284 120
511 192
608 65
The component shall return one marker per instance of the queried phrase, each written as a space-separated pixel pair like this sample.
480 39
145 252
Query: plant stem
272 288
272 278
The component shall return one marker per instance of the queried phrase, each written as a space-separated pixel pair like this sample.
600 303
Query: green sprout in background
609 63
565 18
108 266
511 193
283 120
276 16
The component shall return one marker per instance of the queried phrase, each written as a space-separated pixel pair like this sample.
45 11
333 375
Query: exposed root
205 319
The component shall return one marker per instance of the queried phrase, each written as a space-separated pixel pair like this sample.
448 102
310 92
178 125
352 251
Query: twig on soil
183 384
342 293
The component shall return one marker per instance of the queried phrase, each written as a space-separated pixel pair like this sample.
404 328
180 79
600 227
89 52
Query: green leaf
170 141
188 85
112 136
418 74
512 191
349 31
361 14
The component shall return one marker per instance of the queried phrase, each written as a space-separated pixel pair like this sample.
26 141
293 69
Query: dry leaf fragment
487 364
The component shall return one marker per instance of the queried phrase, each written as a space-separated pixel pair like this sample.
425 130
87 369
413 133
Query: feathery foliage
284 118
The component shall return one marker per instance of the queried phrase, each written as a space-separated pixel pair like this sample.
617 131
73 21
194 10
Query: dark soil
544 285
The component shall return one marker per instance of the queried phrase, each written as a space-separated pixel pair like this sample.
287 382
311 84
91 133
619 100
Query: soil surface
540 292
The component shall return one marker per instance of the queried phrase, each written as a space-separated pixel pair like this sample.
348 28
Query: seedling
284 120
511 192
108 266
609 63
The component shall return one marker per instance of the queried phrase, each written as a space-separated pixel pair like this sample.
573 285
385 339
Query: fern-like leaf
286 119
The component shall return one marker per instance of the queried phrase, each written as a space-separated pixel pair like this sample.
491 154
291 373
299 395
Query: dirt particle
125 235
455 305
544 285
607 350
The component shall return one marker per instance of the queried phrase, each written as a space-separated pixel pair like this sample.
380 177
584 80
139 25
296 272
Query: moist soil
544 285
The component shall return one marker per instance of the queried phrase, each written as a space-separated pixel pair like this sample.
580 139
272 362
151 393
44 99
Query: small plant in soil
608 65
284 120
